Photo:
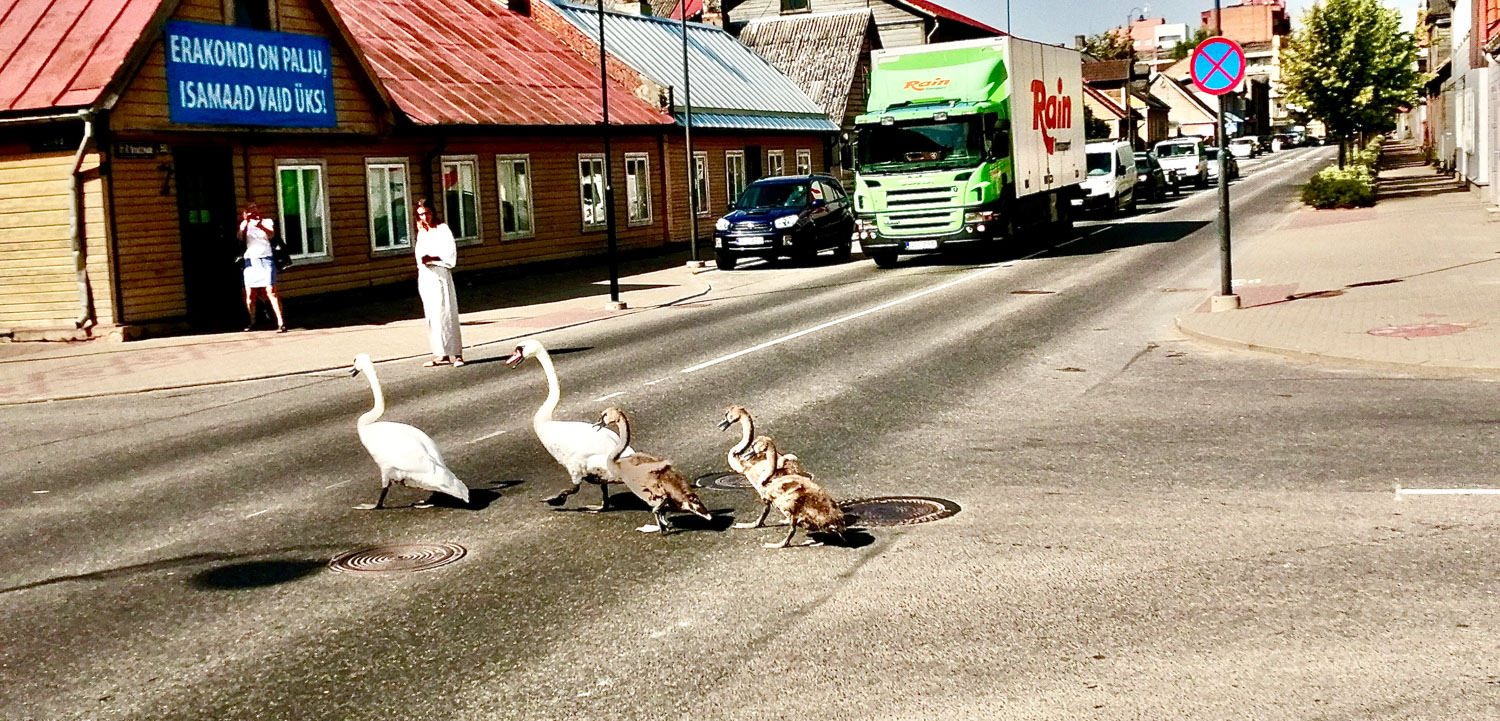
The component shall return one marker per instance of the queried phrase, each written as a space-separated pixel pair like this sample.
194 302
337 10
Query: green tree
1094 128
1108 45
1185 48
1350 66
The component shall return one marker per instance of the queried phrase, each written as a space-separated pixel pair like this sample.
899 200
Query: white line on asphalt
1448 491
652 383
481 438
257 513
340 483
601 399
41 491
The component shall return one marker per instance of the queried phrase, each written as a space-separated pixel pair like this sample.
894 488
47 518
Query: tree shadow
256 574
186 561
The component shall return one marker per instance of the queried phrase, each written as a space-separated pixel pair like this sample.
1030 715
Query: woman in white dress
259 272
436 256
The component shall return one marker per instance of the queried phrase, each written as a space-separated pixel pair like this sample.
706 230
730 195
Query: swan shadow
479 498
721 521
852 538
257 574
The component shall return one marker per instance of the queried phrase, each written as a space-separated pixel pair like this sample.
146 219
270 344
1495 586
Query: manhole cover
722 481
397 558
1420 330
897 510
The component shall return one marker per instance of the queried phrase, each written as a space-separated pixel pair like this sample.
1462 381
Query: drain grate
722 481
897 510
398 558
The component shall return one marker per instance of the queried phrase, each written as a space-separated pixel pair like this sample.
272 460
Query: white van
1185 155
1111 177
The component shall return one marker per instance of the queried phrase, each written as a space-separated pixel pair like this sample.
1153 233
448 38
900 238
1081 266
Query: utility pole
1130 71
609 186
687 135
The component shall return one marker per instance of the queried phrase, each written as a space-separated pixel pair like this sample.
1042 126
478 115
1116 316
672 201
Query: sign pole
1229 301
1218 66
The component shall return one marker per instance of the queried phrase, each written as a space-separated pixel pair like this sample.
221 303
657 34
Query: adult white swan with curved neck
405 454
581 448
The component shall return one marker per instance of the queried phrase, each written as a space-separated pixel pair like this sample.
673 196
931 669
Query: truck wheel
725 261
883 259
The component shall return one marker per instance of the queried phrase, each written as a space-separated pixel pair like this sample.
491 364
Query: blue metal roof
731 84
744 121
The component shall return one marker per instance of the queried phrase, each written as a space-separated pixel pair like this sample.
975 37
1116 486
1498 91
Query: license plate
751 241
921 245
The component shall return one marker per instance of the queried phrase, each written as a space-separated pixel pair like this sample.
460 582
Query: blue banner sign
226 75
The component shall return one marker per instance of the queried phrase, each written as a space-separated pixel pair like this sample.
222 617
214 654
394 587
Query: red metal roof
942 12
694 8
476 62
62 53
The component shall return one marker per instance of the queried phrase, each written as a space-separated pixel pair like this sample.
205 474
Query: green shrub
1366 159
1351 187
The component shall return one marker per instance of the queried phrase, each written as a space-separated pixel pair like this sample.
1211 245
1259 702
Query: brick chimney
713 13
520 7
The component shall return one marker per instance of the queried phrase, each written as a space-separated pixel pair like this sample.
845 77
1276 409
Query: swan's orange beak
515 358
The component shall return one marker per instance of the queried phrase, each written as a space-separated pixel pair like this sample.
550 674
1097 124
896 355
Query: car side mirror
818 203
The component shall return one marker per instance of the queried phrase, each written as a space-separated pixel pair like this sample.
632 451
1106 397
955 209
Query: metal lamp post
687 134
609 187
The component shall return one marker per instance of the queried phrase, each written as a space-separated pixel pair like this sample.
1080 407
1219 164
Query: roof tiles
819 52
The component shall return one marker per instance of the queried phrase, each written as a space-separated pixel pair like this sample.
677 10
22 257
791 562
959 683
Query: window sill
466 242
390 252
639 223
595 228
517 236
305 261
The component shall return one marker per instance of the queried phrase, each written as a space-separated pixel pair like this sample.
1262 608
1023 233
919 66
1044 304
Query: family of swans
592 452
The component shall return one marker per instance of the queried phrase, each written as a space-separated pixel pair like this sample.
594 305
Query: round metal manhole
897 510
398 558
1420 330
722 481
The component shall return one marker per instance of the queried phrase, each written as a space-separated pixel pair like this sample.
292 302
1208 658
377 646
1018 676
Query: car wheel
883 259
725 261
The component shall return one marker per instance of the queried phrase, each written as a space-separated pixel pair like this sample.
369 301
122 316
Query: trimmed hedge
1352 187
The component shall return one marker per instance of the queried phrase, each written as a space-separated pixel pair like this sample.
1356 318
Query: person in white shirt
437 254
256 233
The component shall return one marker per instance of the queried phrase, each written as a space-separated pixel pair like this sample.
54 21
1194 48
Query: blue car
794 216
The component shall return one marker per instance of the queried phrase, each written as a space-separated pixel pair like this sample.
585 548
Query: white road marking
340 483
484 437
847 318
652 383
1448 491
601 399
257 513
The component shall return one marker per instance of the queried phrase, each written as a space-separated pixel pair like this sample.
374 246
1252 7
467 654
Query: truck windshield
774 195
1098 163
920 143
1175 150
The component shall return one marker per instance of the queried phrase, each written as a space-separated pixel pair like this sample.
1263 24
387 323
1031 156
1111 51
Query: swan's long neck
747 430
375 413
554 393
622 429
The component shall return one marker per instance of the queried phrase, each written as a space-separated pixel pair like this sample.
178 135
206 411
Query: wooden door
206 215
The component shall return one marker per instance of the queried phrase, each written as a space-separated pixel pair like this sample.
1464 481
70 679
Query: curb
1330 359
707 288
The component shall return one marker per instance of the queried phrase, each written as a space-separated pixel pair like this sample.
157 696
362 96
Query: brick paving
1413 282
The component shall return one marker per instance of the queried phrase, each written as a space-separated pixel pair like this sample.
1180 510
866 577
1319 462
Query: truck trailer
967 143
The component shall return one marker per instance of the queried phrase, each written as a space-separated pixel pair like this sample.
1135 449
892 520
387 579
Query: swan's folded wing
403 448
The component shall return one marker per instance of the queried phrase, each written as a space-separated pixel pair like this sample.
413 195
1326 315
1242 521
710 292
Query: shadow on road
188 561
257 574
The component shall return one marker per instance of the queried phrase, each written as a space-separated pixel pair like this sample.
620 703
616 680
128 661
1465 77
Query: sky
1057 21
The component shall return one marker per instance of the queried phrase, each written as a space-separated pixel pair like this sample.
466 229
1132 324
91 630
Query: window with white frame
734 174
775 163
700 183
461 197
638 188
302 207
591 190
804 162
515 196
390 216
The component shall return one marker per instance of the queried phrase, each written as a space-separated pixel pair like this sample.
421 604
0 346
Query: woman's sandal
457 362
435 362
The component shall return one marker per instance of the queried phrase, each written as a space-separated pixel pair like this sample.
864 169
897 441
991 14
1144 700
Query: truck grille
922 222
935 210
897 199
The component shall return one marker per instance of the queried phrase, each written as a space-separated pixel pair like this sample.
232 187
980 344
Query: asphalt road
1150 529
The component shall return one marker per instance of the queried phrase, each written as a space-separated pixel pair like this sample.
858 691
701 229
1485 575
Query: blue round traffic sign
1218 65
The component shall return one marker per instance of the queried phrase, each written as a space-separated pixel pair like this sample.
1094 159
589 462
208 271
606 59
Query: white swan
581 448
405 454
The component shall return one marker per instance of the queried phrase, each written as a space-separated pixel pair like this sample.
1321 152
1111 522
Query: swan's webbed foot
422 504
369 507
648 528
561 497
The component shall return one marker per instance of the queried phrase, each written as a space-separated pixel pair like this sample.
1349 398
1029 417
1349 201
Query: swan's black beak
725 424
515 358
354 371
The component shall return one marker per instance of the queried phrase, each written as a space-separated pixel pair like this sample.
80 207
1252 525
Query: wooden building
138 132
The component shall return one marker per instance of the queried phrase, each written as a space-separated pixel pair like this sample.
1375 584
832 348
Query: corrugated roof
727 77
57 54
819 52
463 62
744 121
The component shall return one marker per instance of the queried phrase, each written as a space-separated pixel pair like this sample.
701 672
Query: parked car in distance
1243 147
1264 141
1184 155
1151 181
1110 184
1213 165
794 216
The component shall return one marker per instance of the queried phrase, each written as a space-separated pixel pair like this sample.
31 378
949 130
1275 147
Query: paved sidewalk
324 338
1413 282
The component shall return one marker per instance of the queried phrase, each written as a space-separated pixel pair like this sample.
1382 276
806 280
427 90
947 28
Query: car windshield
775 195
890 147
1176 150
1098 163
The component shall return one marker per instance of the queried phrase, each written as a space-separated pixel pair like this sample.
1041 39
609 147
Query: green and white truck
967 143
